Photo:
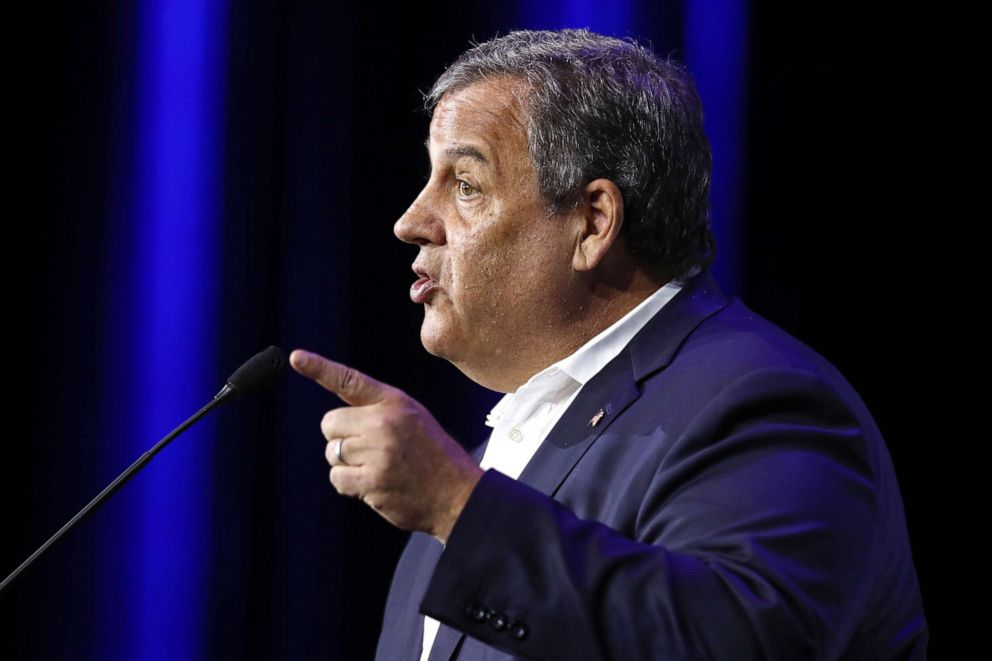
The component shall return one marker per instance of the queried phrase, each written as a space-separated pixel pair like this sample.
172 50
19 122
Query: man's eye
465 189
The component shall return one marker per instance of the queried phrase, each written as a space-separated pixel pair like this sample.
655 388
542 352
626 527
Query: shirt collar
594 355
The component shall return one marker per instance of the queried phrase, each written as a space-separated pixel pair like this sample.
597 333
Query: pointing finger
346 382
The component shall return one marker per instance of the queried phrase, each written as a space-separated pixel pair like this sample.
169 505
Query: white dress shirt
521 420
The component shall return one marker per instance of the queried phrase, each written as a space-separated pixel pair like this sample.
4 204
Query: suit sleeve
753 540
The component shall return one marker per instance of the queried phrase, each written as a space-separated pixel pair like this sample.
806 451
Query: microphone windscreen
258 371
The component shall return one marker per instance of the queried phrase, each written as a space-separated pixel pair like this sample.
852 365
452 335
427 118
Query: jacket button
499 622
476 613
519 631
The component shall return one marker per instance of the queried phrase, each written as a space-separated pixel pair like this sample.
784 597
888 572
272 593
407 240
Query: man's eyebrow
461 151
470 152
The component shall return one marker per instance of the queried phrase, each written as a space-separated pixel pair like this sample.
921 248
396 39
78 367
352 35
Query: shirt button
516 434
499 622
519 631
477 613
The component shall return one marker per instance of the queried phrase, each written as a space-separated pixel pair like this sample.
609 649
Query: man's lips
423 289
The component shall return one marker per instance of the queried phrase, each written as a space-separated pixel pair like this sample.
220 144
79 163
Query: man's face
494 270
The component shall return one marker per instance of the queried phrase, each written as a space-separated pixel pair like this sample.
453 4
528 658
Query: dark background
321 152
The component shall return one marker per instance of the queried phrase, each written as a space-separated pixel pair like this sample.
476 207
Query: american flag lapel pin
596 418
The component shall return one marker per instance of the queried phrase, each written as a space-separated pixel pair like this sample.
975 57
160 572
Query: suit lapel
657 343
615 387
599 403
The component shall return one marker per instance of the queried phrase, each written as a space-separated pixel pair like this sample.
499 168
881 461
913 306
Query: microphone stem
114 486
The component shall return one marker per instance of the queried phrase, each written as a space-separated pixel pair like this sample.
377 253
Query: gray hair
600 107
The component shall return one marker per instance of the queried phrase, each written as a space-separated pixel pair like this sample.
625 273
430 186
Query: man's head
569 175
599 107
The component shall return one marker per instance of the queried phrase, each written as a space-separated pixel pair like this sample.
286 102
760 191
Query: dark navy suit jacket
735 500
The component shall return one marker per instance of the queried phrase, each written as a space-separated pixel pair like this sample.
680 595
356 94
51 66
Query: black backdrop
322 152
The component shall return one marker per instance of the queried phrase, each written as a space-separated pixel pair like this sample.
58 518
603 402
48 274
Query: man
671 476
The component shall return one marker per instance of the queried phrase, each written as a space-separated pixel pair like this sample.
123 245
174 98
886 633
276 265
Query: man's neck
603 305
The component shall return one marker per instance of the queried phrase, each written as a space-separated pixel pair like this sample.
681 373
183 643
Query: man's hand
399 460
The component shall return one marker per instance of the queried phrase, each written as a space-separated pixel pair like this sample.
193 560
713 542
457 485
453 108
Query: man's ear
599 217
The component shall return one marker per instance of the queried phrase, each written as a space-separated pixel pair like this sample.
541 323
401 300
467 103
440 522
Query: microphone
256 373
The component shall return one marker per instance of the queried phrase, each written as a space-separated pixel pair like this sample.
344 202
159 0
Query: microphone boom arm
262 369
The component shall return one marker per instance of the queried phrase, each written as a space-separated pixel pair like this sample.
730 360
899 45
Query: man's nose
421 223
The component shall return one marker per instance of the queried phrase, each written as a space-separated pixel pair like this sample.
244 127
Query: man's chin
431 350
444 347
435 342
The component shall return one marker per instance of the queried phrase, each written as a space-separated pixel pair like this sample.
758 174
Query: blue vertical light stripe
613 18
716 46
169 331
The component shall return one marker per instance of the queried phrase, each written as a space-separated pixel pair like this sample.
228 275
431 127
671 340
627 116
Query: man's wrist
456 504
